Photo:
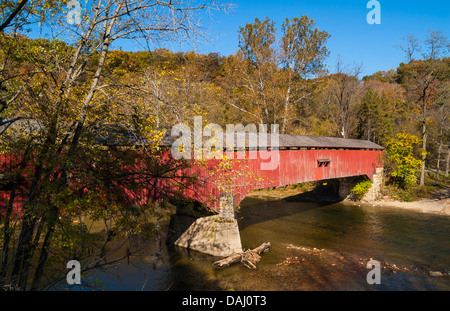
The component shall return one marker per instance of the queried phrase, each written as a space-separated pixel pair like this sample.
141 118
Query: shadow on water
186 271
416 241
272 209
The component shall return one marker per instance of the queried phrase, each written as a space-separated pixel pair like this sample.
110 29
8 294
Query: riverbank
321 246
437 203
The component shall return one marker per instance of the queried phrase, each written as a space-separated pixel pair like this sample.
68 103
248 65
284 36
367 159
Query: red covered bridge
297 159
291 159
222 184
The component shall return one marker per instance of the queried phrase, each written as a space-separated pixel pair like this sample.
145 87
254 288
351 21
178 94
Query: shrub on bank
361 188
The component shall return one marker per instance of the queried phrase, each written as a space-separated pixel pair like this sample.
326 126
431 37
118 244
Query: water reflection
412 238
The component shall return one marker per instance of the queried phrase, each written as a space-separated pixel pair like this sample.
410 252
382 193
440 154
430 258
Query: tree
303 53
402 164
421 83
369 115
257 45
13 14
441 119
68 100
343 94
271 78
421 80
21 13
436 46
410 47
376 117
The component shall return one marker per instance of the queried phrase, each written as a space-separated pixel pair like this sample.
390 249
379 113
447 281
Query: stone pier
216 235
375 191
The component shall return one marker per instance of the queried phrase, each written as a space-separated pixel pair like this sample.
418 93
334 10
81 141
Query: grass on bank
416 192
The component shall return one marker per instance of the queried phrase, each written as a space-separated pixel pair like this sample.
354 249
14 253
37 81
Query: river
315 246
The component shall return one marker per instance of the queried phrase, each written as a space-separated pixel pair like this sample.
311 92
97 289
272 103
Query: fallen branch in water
249 258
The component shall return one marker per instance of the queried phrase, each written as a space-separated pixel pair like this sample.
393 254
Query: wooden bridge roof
113 135
325 142
298 141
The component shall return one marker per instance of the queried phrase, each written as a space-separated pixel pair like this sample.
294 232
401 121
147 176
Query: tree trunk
44 252
424 156
248 258
438 164
13 14
24 254
446 162
7 231
286 109
90 95
25 250
7 234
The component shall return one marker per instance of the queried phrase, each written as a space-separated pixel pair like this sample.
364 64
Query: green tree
271 79
375 117
401 163
369 114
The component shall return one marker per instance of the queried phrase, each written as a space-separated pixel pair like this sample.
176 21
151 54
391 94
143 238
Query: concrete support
212 235
226 207
375 191
216 235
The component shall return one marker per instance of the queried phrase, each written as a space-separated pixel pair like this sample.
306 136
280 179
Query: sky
352 38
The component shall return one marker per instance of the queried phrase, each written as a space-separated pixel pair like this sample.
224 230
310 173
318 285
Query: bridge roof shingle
299 141
110 135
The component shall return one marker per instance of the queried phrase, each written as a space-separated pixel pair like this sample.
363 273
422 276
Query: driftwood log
249 258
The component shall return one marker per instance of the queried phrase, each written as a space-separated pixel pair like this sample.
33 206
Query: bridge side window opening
323 162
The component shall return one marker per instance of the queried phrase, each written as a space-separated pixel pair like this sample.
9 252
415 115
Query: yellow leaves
400 151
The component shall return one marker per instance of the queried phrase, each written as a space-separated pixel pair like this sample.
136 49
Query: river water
315 246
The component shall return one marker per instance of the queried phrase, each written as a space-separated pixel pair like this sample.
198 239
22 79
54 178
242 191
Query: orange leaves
290 261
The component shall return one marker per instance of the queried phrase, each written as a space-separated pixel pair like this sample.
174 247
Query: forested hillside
268 80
